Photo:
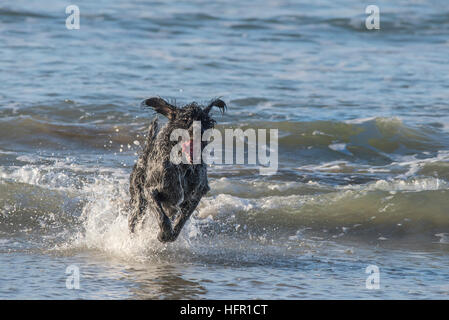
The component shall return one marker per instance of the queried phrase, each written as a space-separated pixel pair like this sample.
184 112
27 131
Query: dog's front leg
165 227
187 209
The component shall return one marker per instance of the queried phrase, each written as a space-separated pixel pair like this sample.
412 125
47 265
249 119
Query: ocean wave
81 202
378 135
375 141
35 200
5 12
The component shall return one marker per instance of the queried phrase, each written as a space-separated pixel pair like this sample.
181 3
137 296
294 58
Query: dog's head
183 118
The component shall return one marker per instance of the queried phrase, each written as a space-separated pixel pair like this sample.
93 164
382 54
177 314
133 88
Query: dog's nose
143 104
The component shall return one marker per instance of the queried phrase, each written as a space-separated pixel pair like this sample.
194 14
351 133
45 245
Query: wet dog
160 187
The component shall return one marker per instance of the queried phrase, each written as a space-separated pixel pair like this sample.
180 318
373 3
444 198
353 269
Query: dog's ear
216 103
161 106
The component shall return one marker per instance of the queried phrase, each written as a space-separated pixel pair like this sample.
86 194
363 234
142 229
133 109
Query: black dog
160 187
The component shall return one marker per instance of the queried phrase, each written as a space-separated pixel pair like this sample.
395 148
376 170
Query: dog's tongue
187 149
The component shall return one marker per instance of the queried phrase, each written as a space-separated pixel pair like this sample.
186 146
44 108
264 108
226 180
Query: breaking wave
79 207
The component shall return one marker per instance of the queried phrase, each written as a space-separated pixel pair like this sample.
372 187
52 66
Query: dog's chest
194 181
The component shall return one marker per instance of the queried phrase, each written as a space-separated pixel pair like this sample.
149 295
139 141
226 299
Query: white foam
6 152
444 237
415 164
57 176
256 188
28 159
411 185
408 165
340 147
225 204
105 225
359 120
326 166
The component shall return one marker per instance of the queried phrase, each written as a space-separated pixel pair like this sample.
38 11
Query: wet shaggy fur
169 191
